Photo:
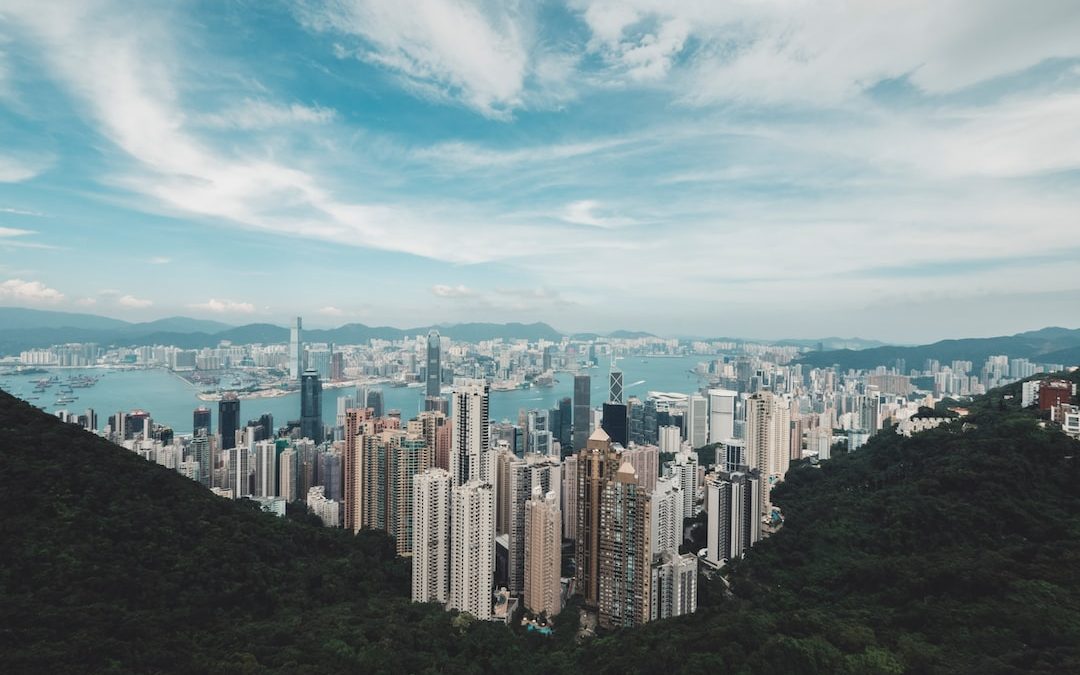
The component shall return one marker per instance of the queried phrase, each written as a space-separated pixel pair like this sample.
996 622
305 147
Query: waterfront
171 399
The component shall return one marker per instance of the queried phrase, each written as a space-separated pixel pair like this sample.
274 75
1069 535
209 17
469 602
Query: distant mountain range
27 329
1048 345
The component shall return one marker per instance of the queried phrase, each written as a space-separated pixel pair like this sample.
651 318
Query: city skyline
571 163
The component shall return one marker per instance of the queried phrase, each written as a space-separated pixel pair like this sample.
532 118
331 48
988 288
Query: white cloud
86 302
131 302
592 213
331 311
20 169
474 52
33 292
258 114
13 232
21 212
225 306
160 260
444 291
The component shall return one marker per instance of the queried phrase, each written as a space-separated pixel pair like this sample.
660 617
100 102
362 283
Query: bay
171 400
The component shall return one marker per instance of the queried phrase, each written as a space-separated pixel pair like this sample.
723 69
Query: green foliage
955 550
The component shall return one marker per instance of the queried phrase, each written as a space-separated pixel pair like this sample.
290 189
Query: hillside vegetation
957 550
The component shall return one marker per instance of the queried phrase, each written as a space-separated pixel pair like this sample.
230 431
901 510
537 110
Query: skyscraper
266 468
311 424
374 400
625 583
355 418
697 421
433 370
767 442
296 350
615 386
531 471
470 458
616 423
200 452
566 425
596 465
201 420
721 415
431 536
674 585
668 512
543 553
472 548
582 385
287 475
734 523
228 419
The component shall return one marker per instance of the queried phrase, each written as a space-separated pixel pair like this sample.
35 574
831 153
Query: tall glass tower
311 425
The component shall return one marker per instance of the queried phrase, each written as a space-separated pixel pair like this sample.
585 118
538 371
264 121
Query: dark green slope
957 550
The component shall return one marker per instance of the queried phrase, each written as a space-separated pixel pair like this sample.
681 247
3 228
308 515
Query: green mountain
954 551
1048 345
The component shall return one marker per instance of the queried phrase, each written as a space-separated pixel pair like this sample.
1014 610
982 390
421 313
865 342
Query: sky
904 170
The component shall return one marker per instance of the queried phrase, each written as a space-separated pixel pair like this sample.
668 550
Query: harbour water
170 400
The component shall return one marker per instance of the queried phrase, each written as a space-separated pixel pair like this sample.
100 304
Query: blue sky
898 170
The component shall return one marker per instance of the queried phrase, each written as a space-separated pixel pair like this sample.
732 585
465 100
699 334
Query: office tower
625 588
596 465
355 418
330 476
635 413
582 385
649 426
266 467
433 371
472 548
266 421
616 424
533 470
615 386
674 585
721 415
565 432
684 468
646 462
731 456
287 475
228 420
670 439
470 458
431 536
201 420
697 421
668 513
311 425
543 553
767 439
374 400
296 351
200 453
734 523
569 496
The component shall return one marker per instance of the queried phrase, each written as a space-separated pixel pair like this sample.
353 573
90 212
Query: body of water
171 400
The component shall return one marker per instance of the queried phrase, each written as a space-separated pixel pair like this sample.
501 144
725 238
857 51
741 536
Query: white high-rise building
470 456
296 350
670 439
240 471
431 536
768 442
266 469
543 552
697 421
733 501
684 469
674 585
472 548
328 510
668 509
721 415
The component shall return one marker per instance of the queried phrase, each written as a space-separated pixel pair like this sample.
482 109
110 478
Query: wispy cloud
160 260
255 114
20 169
445 291
131 302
